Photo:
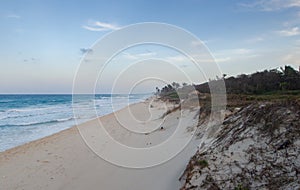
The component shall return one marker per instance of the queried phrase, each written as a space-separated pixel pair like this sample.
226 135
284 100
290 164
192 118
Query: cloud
31 60
15 16
271 5
177 59
237 54
223 59
186 61
138 56
226 55
86 50
292 57
236 51
100 26
180 60
198 43
289 32
254 40
184 66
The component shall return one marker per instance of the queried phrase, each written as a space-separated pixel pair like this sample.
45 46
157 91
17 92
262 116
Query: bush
202 163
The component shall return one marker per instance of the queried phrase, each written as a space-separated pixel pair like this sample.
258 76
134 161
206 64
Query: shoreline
73 127
64 124
64 161
37 141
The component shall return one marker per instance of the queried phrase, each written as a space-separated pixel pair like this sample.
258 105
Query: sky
43 42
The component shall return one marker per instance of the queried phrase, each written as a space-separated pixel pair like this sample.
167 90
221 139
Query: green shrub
240 187
202 163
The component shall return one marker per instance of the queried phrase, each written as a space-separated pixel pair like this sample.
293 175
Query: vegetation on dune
244 89
202 163
282 81
240 187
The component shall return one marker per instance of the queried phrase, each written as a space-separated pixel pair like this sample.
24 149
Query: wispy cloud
31 60
100 26
181 61
15 16
223 59
254 40
198 43
236 51
289 32
271 5
177 59
292 57
86 50
236 54
138 55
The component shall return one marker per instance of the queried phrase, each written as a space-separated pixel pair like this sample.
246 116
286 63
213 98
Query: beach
64 161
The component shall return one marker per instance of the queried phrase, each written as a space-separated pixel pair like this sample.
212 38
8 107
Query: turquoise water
24 118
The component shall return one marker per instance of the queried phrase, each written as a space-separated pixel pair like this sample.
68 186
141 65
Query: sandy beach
64 161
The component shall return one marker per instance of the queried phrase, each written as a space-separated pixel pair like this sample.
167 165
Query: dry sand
64 161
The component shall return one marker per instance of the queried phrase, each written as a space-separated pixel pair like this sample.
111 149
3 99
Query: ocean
24 118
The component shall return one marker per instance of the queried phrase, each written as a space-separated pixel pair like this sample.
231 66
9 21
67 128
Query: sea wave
45 114
37 123
29 109
31 112
5 101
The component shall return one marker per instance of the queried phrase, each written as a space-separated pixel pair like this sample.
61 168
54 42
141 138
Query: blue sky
42 41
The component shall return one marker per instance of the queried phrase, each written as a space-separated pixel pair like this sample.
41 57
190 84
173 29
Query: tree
157 91
175 85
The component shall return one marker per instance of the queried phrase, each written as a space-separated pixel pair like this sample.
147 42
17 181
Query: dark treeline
170 88
285 79
268 81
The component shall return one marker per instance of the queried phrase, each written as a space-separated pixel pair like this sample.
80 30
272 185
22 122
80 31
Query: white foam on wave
21 125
